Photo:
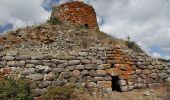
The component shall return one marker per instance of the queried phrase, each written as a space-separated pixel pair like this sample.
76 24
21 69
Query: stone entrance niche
115 84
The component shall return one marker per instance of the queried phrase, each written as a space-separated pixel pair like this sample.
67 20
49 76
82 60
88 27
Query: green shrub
11 89
134 46
60 93
55 21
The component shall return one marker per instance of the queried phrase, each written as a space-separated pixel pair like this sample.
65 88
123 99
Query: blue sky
147 22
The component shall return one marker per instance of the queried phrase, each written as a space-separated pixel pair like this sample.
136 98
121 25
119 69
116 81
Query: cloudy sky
147 22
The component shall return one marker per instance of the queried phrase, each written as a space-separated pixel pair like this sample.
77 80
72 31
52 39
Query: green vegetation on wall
11 89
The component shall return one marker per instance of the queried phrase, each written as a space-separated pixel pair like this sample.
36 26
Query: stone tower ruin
77 13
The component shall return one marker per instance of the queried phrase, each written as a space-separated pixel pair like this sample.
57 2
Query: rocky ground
160 93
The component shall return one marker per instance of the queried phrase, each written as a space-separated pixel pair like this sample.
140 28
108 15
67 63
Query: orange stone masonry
77 13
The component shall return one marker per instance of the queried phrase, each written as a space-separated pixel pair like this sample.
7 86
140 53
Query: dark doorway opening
115 84
86 26
112 65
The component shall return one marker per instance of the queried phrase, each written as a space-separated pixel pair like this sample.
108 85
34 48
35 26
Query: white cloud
21 12
146 21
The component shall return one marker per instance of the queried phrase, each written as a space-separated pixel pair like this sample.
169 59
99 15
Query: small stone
147 93
23 57
49 77
122 82
30 65
83 53
101 73
163 75
44 84
92 73
85 61
76 73
124 88
8 58
37 57
73 62
90 66
11 63
28 71
35 77
146 71
55 61
41 68
153 75
58 70
79 67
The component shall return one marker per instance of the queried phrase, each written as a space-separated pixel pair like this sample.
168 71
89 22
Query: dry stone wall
77 13
101 69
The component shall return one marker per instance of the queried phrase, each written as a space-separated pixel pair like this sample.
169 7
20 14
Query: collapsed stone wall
76 13
95 68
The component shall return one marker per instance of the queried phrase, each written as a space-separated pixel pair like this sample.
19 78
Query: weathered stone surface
124 88
79 67
138 71
154 85
122 82
101 73
62 65
44 84
40 68
60 82
153 75
11 63
58 70
146 71
163 75
36 62
83 53
49 77
23 57
30 65
85 61
37 57
90 66
104 84
92 73
35 77
55 61
85 72
8 58
76 73
28 71
73 62
12 53
38 92
69 68
91 85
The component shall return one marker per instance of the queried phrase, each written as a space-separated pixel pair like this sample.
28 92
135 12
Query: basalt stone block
44 84
79 67
73 62
101 73
146 71
35 77
11 63
122 82
49 77
8 58
55 61
83 53
30 65
41 68
58 70
153 75
85 61
104 84
36 62
28 71
90 67
92 73
154 85
37 57
163 75
22 57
